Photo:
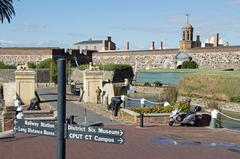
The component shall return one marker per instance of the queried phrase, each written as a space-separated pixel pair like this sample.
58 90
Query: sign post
61 109
60 128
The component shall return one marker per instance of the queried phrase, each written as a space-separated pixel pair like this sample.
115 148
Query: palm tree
6 10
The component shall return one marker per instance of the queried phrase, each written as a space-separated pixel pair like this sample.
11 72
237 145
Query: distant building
187 38
213 41
95 45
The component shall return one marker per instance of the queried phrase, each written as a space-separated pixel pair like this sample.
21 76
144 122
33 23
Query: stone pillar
91 80
25 85
8 117
9 92
127 46
152 46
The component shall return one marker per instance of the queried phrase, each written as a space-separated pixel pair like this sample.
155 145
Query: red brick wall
25 51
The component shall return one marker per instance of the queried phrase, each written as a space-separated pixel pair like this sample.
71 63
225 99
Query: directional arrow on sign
95 137
121 141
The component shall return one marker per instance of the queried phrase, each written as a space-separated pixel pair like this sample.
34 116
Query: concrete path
159 142
73 109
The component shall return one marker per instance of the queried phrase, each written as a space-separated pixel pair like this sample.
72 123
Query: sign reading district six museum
97 134
86 133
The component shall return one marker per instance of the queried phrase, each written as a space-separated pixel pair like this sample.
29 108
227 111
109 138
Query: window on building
94 47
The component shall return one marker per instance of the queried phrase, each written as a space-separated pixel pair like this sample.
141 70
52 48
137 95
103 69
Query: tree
6 10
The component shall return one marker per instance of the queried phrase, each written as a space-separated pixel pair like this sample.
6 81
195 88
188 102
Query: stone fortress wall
22 59
208 58
15 56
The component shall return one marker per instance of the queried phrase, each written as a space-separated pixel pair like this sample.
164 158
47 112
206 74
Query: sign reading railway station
86 133
35 127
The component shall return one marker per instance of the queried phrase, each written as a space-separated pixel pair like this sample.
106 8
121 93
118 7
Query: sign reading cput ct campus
87 133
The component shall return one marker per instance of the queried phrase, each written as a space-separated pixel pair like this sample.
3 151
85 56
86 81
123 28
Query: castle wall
217 57
210 58
22 59
138 59
15 56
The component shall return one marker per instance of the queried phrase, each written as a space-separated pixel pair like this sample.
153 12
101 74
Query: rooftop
90 41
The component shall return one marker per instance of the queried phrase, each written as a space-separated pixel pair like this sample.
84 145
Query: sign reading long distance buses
35 127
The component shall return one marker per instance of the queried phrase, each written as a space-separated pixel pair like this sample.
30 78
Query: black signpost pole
61 109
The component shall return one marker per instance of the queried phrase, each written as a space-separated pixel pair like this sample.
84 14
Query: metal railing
138 102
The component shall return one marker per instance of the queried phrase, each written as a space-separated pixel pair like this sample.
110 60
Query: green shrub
235 98
113 67
189 65
157 84
51 65
160 109
5 66
32 65
108 67
83 67
147 84
46 63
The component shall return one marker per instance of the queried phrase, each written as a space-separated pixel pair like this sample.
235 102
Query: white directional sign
95 137
35 127
95 130
86 133
97 134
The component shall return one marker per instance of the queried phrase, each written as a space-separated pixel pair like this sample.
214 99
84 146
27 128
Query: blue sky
64 22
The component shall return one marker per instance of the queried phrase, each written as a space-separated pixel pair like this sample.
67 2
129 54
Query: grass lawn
211 84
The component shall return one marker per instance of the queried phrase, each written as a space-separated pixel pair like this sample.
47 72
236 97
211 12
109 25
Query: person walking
98 91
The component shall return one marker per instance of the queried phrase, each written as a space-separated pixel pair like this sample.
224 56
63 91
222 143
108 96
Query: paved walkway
74 108
140 143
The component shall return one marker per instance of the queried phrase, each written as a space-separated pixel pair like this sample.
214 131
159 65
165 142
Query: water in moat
172 78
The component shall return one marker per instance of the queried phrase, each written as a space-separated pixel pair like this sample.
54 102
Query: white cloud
6 43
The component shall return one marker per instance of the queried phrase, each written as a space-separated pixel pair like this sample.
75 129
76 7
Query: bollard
214 116
141 120
142 101
123 99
